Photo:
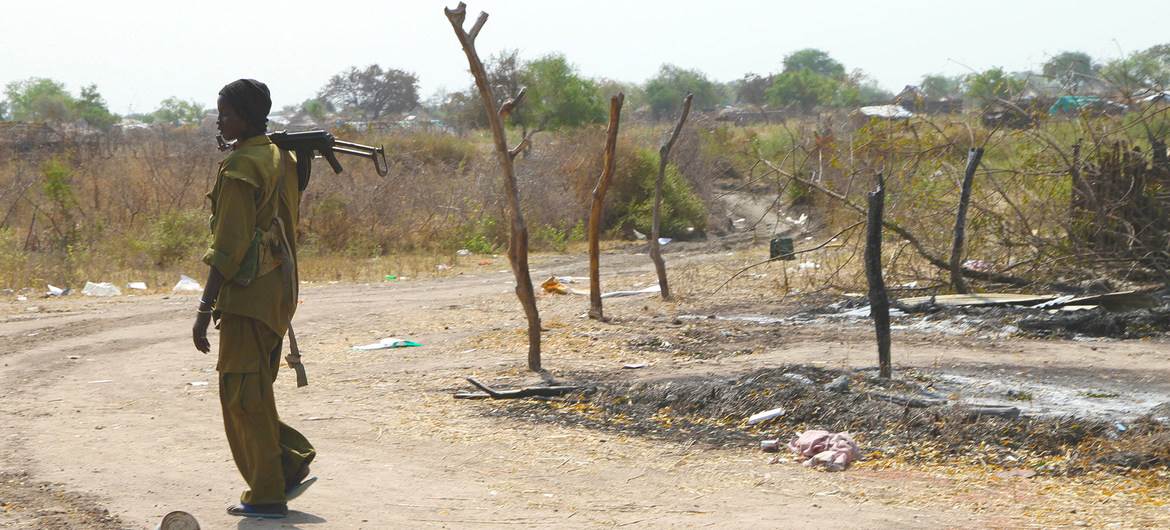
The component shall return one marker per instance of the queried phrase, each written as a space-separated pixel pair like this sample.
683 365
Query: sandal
297 489
264 511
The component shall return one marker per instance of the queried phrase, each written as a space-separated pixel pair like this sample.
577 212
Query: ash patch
706 341
27 503
901 419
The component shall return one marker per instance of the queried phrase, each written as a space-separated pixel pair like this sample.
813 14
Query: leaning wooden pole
974 155
879 301
663 156
607 168
518 235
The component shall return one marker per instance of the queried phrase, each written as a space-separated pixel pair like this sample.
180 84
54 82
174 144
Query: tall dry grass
133 206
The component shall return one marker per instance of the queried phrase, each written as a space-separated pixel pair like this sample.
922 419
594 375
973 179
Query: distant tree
3 110
940 86
815 61
1071 70
665 91
91 108
986 87
803 88
506 72
316 109
40 99
372 93
557 96
751 89
463 110
1148 69
869 91
635 95
175 111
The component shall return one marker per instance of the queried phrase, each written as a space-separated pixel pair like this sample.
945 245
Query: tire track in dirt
16 338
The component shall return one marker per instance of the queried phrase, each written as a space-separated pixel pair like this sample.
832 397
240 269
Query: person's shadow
294 518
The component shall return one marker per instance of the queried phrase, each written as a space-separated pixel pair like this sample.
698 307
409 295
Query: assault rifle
320 144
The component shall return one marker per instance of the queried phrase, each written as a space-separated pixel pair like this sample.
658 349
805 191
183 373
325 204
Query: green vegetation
40 99
174 111
633 198
986 87
558 97
665 91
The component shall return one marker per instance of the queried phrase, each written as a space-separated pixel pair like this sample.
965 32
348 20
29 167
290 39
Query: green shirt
242 200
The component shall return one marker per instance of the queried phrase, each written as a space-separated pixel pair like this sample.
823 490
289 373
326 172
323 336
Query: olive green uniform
256 184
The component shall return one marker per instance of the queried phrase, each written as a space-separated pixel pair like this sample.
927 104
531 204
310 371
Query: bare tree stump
607 168
518 235
879 301
663 155
974 155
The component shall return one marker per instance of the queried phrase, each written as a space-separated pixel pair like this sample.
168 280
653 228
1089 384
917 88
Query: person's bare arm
206 303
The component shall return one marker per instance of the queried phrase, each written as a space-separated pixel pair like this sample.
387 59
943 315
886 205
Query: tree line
559 95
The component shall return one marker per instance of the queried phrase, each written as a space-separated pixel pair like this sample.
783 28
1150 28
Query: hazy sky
140 52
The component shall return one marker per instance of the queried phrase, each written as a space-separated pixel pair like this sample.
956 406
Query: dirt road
105 405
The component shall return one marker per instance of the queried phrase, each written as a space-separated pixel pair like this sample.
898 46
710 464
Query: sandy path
98 397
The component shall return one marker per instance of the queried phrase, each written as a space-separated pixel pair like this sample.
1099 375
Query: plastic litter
198 383
664 240
765 416
807 266
462 252
770 446
100 289
187 285
442 267
139 286
387 343
553 285
638 235
648 290
57 291
799 378
390 277
22 298
634 366
840 384
833 451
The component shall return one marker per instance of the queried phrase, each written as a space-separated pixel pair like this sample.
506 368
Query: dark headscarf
250 99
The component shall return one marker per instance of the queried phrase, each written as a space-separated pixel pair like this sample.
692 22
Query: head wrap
250 99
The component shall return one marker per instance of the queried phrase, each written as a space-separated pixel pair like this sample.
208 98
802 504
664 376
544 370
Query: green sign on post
782 248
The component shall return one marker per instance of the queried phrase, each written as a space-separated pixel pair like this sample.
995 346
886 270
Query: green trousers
267 452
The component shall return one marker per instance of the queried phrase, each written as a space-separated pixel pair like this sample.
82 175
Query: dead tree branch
663 156
607 169
879 300
532 391
974 155
518 234
986 276
788 256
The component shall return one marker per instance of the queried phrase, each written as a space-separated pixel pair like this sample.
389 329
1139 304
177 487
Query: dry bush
133 205
1020 221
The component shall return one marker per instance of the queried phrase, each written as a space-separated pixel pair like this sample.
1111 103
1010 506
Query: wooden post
607 168
974 155
879 302
663 155
518 235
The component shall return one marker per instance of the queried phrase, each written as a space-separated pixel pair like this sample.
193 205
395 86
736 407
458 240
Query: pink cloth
834 451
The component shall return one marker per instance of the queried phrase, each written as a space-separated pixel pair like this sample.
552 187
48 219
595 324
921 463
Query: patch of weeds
1019 395
1100 394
